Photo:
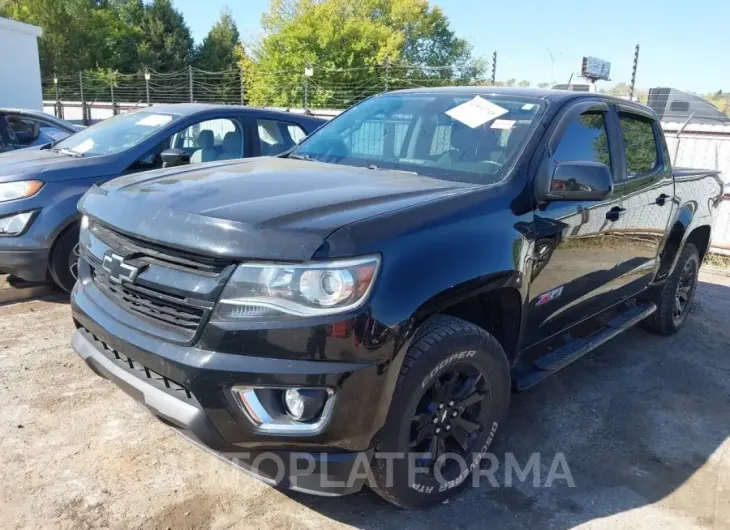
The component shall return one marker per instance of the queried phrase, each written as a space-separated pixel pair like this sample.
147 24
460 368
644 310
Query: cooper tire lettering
440 366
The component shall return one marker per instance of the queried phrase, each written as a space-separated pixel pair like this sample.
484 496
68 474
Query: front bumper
190 389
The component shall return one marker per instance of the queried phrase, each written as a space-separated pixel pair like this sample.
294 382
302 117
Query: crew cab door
576 261
645 187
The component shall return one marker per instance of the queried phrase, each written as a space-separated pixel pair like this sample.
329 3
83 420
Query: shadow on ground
14 290
637 419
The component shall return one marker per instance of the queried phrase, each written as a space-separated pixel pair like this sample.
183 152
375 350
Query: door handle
614 213
662 199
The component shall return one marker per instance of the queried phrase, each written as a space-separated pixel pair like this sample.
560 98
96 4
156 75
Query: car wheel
451 396
64 264
677 295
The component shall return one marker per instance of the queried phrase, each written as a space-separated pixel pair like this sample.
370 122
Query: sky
683 44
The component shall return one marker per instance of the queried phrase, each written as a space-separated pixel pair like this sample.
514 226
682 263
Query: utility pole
494 67
552 67
633 73
190 71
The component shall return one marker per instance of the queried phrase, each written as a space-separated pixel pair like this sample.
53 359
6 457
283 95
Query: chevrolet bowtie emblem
119 272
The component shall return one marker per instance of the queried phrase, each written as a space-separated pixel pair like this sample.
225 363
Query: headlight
258 291
14 225
10 191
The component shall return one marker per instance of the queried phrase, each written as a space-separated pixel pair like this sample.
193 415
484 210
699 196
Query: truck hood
48 166
263 208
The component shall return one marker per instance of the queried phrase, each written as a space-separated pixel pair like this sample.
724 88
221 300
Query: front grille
157 253
139 370
152 304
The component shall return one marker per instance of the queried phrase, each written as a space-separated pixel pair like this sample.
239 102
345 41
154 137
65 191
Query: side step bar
562 357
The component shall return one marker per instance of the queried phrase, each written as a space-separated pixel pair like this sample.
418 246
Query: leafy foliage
218 50
124 35
356 49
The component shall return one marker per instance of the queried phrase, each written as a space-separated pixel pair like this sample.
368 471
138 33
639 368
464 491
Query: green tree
524 84
72 32
348 43
217 52
167 44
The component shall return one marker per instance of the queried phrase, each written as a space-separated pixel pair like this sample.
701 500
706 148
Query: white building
20 70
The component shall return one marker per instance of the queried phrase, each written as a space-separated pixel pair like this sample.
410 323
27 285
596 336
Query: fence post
307 75
111 89
240 73
81 87
147 84
387 73
192 96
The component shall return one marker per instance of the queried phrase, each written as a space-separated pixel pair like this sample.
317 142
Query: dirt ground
643 422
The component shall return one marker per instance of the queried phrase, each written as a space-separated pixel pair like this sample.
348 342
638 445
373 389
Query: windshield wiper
302 157
69 152
378 168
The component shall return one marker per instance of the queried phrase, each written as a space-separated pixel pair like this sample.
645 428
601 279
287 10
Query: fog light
304 404
15 224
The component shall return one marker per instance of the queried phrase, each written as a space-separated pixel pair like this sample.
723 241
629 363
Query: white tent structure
20 71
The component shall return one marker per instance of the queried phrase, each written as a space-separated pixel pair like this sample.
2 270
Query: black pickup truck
359 309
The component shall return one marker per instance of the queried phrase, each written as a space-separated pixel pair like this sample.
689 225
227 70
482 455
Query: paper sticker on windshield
503 124
83 146
476 112
154 120
528 106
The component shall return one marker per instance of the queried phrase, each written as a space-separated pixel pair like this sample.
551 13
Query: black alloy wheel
448 418
684 292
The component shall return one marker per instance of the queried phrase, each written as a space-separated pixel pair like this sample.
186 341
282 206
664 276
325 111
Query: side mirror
580 181
174 157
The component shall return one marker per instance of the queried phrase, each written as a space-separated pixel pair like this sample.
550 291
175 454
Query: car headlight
22 189
14 225
279 291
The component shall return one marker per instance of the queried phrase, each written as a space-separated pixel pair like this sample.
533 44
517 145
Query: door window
278 136
640 144
585 139
206 141
211 140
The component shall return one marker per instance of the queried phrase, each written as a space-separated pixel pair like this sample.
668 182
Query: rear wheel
451 396
676 297
64 264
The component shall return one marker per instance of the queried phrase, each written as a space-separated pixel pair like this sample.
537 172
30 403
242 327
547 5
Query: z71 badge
549 296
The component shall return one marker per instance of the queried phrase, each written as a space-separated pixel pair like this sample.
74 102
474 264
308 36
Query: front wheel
64 264
677 295
452 394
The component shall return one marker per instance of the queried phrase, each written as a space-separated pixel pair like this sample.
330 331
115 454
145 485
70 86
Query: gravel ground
643 422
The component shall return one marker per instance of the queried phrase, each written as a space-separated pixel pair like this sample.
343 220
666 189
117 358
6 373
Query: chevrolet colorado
375 294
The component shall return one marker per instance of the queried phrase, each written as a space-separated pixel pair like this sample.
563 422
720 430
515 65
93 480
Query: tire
679 289
64 259
447 353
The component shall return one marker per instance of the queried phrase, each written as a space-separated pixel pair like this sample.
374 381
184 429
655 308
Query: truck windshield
460 137
115 134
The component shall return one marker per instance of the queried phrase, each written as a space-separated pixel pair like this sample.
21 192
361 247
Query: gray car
39 189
